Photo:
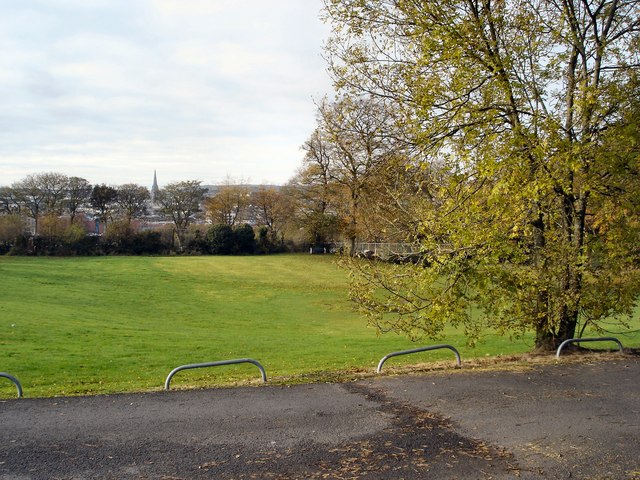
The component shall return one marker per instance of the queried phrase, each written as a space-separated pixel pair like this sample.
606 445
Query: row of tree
502 140
55 194
59 206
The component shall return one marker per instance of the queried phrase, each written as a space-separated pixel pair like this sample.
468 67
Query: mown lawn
113 324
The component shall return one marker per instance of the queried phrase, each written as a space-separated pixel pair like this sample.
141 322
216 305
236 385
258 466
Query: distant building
154 220
90 222
154 190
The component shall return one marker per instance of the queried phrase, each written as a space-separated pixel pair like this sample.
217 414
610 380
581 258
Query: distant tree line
55 214
355 184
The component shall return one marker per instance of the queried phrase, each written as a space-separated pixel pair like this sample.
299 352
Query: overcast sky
111 90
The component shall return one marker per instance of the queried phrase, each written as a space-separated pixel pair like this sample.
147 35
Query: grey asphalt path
558 420
562 420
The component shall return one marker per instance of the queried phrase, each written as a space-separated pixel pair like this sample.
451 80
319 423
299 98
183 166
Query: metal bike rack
14 380
416 350
580 340
215 364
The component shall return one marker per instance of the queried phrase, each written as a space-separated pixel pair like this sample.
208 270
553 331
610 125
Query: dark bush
47 245
86 246
18 246
23 246
196 244
264 242
245 239
148 242
268 242
221 240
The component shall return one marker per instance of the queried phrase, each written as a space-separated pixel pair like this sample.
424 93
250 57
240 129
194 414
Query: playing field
113 324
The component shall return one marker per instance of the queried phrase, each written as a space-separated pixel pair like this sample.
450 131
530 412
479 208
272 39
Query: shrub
11 230
148 242
245 239
196 243
220 239
118 238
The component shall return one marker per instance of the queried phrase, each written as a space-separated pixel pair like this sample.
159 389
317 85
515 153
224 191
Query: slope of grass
113 324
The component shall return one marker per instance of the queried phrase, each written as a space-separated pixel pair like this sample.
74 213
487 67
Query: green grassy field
113 324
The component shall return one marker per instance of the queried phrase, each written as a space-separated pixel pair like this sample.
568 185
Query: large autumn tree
181 201
103 200
344 159
229 203
312 190
132 201
524 121
354 129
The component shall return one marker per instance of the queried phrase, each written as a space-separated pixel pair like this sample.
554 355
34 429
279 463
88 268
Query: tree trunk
545 340
178 236
548 339
574 214
567 328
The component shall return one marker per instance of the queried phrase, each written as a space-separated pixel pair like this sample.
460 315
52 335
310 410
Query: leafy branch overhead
522 117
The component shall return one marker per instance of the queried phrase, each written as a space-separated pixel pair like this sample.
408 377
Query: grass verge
71 326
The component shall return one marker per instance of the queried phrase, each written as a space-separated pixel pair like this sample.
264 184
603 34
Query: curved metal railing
580 340
15 381
215 364
416 350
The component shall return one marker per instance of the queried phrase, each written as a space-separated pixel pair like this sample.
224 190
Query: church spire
154 189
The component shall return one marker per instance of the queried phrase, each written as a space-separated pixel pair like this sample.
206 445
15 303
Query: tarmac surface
554 421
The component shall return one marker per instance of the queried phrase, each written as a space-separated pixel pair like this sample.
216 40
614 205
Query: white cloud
192 8
195 88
